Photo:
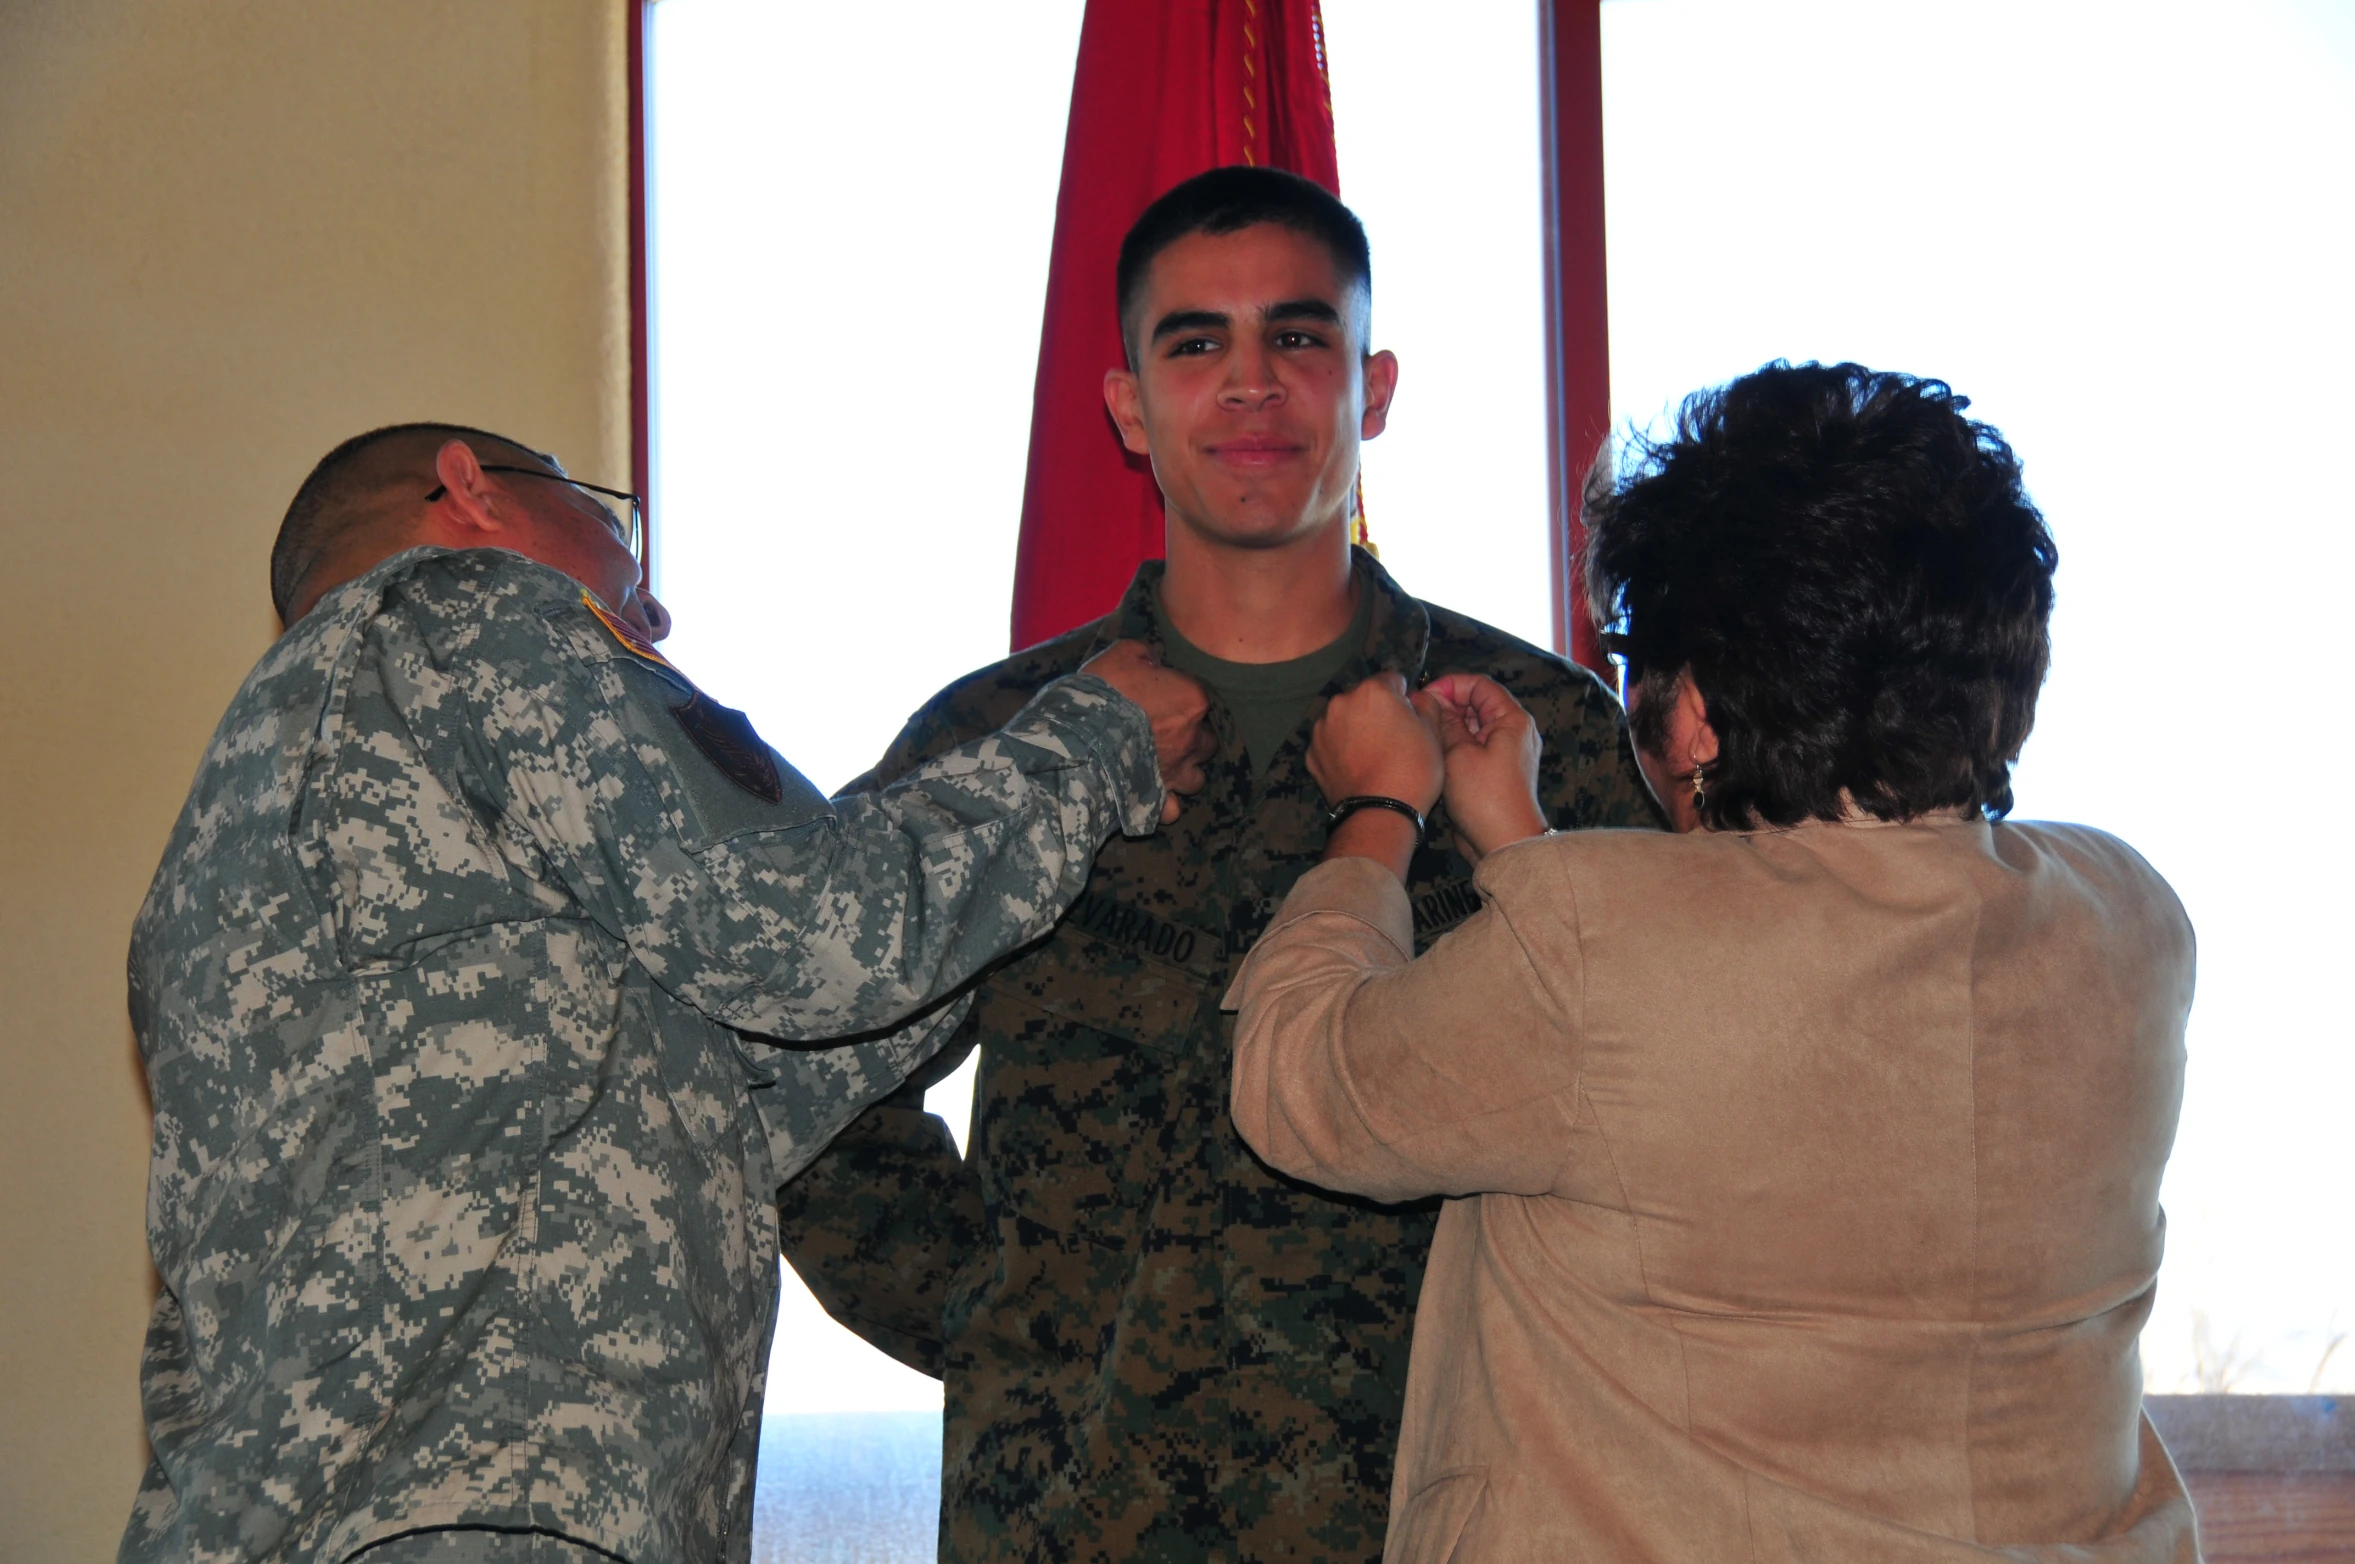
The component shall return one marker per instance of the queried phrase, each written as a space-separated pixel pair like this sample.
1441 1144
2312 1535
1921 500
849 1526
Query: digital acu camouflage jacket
1155 1347
463 1188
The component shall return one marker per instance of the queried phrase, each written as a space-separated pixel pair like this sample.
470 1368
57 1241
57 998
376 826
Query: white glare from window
2122 230
1437 130
853 208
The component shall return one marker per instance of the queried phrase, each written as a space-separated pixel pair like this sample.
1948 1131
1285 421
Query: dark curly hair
1854 578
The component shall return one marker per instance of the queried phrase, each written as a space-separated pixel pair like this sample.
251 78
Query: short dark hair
1856 581
346 494
1229 200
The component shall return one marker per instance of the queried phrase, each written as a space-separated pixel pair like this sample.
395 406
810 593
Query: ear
473 504
1381 373
1125 400
1693 711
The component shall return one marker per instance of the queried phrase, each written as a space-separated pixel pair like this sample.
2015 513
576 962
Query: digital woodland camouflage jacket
1154 1347
463 1186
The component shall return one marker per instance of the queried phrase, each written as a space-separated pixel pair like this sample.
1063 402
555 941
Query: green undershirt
1269 701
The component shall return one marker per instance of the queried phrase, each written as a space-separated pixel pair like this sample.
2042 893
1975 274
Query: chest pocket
1093 1047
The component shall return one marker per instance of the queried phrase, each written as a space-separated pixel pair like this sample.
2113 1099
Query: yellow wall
231 233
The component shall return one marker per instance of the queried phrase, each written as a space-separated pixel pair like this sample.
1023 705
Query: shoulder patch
724 734
726 737
632 642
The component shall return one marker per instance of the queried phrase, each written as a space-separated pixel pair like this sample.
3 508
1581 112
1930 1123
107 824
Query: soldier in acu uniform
466 1152
1153 1346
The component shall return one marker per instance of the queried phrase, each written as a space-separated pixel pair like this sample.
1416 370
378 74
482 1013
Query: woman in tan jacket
1806 1160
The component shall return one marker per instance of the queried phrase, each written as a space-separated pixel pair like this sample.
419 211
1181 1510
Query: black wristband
1344 808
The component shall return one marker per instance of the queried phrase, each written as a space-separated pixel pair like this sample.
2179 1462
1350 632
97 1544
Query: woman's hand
1491 749
1372 741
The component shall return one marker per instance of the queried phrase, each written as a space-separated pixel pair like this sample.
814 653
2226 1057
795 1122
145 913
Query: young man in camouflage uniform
463 1186
1154 1347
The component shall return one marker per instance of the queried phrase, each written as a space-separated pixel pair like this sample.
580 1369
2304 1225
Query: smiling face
1252 387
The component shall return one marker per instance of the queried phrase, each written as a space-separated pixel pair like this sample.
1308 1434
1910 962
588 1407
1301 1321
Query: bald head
365 499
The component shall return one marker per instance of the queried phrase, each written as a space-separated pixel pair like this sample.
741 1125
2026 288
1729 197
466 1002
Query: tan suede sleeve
1456 1074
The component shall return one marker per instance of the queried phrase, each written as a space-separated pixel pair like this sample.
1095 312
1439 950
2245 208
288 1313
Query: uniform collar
1398 638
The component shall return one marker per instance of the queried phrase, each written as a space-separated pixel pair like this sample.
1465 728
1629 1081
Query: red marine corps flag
1164 90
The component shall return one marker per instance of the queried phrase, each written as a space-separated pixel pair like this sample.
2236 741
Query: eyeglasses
633 537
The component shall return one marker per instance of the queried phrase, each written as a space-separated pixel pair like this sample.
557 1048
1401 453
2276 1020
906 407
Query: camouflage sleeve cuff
1094 721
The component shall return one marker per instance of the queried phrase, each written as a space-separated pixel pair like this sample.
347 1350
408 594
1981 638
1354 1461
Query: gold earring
1700 799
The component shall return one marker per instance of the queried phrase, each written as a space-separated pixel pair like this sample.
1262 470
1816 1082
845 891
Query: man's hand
1492 747
1178 705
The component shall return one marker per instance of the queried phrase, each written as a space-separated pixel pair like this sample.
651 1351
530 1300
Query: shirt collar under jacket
1398 640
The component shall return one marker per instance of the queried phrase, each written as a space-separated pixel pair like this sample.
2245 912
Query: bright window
1437 130
2123 231
852 208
